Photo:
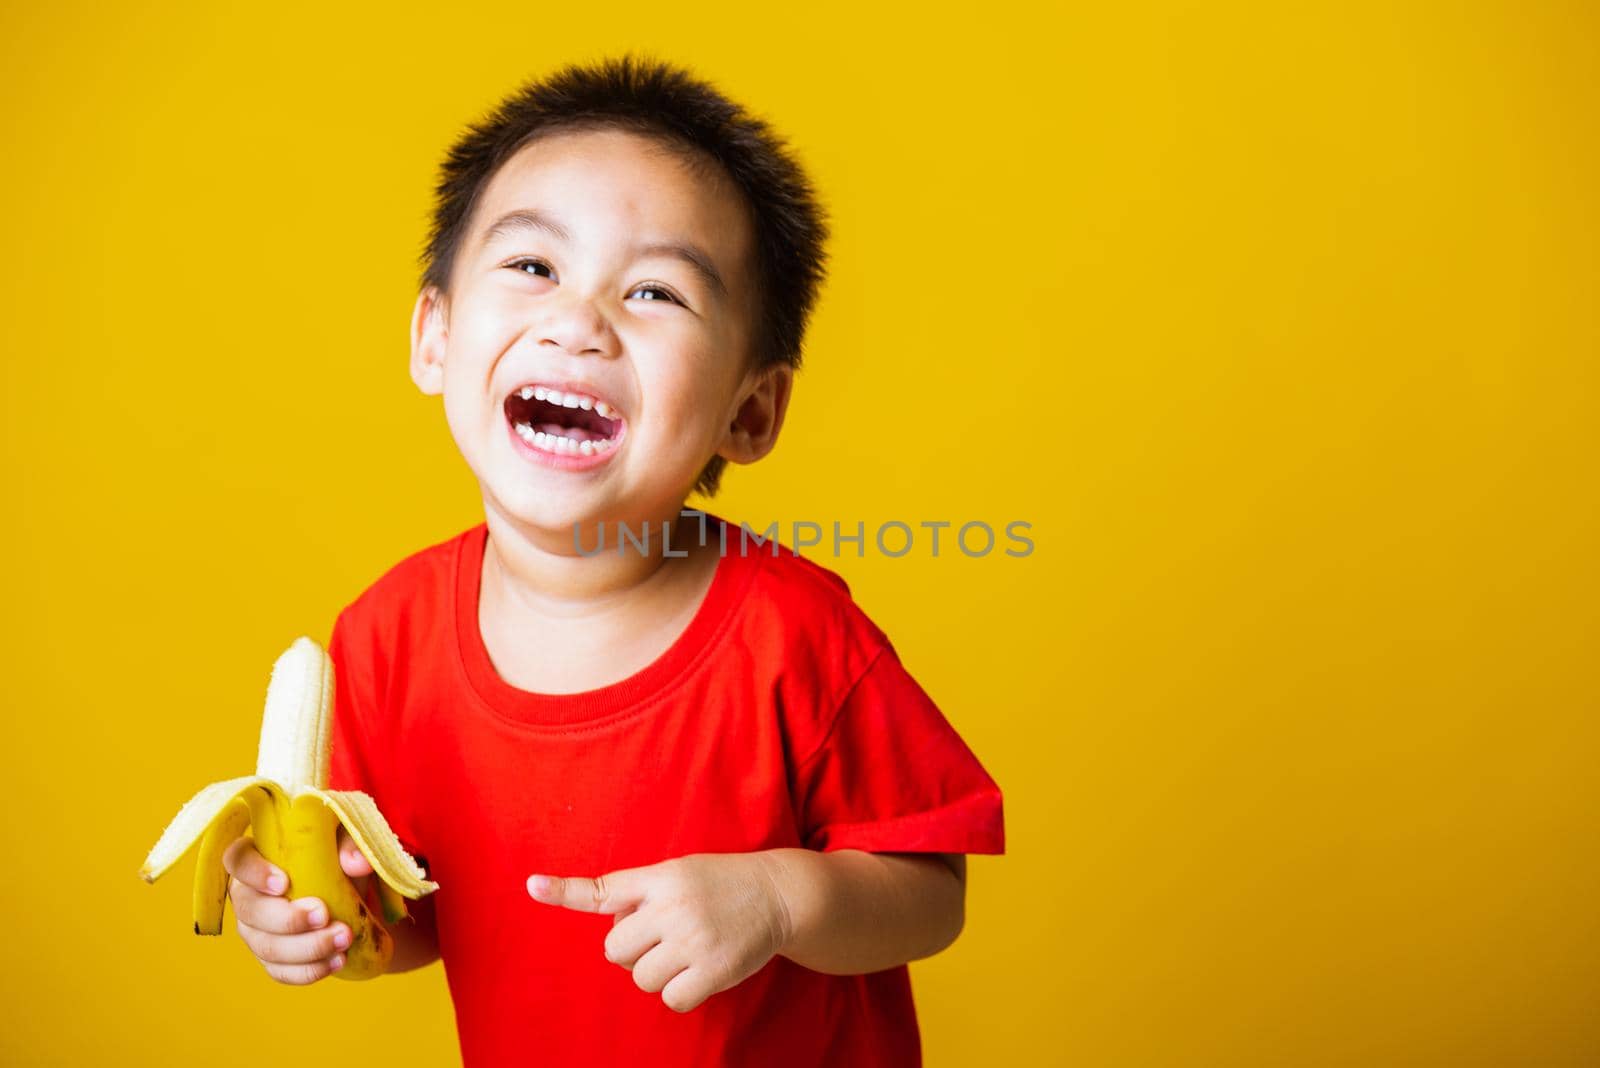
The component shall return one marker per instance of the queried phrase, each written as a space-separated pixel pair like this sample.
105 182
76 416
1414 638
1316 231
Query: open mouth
563 422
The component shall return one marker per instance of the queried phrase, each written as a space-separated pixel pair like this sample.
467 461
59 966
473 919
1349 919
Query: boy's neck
552 578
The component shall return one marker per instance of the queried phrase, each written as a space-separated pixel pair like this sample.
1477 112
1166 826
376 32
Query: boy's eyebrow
534 219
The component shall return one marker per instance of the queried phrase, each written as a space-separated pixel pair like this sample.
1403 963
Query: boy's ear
429 334
753 431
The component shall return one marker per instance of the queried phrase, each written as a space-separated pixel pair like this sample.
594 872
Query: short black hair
683 113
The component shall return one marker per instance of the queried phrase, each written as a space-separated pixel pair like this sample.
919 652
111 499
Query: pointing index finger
604 894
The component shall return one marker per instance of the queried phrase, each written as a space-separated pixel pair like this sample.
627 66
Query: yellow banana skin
210 877
295 821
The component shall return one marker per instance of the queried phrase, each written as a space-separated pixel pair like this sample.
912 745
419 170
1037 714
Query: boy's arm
416 945
851 912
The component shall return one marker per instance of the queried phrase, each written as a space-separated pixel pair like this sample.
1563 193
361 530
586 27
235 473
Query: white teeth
552 442
568 400
586 448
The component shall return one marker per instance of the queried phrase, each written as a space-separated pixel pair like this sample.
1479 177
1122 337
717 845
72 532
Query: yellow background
1277 322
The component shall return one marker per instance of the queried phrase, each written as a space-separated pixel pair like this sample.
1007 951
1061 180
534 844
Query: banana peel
294 820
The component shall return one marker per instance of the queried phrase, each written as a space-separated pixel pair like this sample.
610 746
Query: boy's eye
518 265
657 289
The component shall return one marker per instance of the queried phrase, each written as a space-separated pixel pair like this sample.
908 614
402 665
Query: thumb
351 859
605 893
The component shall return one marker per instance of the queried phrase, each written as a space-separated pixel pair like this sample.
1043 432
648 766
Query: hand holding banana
294 940
298 827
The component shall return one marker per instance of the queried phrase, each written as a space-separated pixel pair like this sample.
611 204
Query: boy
685 806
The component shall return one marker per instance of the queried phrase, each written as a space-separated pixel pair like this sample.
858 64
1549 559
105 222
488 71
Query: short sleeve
359 759
350 765
892 775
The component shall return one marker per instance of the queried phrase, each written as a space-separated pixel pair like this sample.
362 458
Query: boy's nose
576 325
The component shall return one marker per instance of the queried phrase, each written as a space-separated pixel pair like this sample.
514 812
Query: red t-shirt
781 717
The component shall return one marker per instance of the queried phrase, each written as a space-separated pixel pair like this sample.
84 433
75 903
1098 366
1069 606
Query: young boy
684 803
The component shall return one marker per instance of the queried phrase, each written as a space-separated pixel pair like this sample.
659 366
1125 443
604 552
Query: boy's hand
687 927
290 938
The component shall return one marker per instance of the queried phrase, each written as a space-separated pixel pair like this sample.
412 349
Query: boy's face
590 311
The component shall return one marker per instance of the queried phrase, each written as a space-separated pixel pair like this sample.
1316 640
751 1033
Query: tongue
576 433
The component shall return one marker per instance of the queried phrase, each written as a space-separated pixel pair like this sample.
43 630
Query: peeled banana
295 820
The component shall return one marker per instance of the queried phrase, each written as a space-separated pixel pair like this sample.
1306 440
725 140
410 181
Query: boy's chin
555 506
555 512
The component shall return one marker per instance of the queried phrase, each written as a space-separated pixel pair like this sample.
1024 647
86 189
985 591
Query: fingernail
342 940
276 882
337 961
318 916
539 884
